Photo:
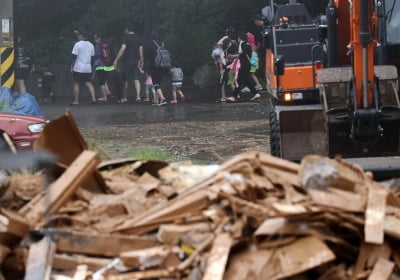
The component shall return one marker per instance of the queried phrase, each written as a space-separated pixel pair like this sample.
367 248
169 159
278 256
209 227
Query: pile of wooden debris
251 217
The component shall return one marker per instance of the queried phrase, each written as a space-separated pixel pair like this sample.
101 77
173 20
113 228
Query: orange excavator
356 111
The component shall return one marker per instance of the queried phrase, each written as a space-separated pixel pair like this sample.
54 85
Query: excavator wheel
274 136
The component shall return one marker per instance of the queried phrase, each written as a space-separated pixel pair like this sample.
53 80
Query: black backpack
163 57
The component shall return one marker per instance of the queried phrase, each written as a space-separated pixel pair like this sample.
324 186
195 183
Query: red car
23 130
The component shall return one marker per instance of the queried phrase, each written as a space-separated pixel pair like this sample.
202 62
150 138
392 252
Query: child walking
149 87
177 81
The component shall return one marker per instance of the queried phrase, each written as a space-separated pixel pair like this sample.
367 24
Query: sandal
257 96
183 98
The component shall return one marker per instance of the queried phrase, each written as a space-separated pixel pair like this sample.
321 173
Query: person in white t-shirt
81 68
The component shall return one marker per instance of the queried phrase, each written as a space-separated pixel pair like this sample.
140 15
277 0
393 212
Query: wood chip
382 270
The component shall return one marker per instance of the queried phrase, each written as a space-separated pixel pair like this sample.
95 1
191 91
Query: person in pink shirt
149 87
252 41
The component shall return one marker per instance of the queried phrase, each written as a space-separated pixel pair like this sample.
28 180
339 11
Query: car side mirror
279 65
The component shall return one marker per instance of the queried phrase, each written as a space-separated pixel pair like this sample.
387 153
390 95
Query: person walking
244 71
131 52
177 81
81 68
254 62
156 72
103 63
23 61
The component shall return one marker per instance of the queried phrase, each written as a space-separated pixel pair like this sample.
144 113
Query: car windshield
393 21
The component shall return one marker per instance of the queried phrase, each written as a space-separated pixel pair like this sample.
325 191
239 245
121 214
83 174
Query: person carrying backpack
103 63
177 81
154 67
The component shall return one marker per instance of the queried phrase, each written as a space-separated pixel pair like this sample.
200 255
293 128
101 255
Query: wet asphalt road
194 129
200 106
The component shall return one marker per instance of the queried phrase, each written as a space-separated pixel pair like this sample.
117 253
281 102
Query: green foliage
150 153
189 27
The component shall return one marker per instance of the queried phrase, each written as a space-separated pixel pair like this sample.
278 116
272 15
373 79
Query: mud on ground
196 141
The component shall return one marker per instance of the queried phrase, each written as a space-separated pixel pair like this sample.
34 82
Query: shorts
176 86
22 74
81 77
149 88
101 77
130 70
253 69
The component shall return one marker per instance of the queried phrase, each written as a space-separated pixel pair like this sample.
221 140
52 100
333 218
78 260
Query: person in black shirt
23 63
131 52
244 71
156 73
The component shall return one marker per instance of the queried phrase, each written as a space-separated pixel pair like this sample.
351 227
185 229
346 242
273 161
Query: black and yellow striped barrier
7 67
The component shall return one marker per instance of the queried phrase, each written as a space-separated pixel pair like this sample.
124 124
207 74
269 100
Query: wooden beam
70 262
40 260
64 187
218 257
375 214
347 201
145 258
99 244
147 274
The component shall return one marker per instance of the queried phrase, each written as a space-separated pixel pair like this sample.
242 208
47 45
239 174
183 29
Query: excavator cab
293 56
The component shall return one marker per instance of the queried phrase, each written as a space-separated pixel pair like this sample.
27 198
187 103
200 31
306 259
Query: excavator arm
360 97
363 24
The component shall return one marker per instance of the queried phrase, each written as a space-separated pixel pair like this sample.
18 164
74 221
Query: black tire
274 134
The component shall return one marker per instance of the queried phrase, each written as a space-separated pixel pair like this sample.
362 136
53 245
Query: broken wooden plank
302 255
81 272
218 257
271 226
344 200
65 186
171 234
147 257
40 260
375 214
62 138
382 270
278 163
70 262
392 226
14 224
99 244
147 274
192 202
